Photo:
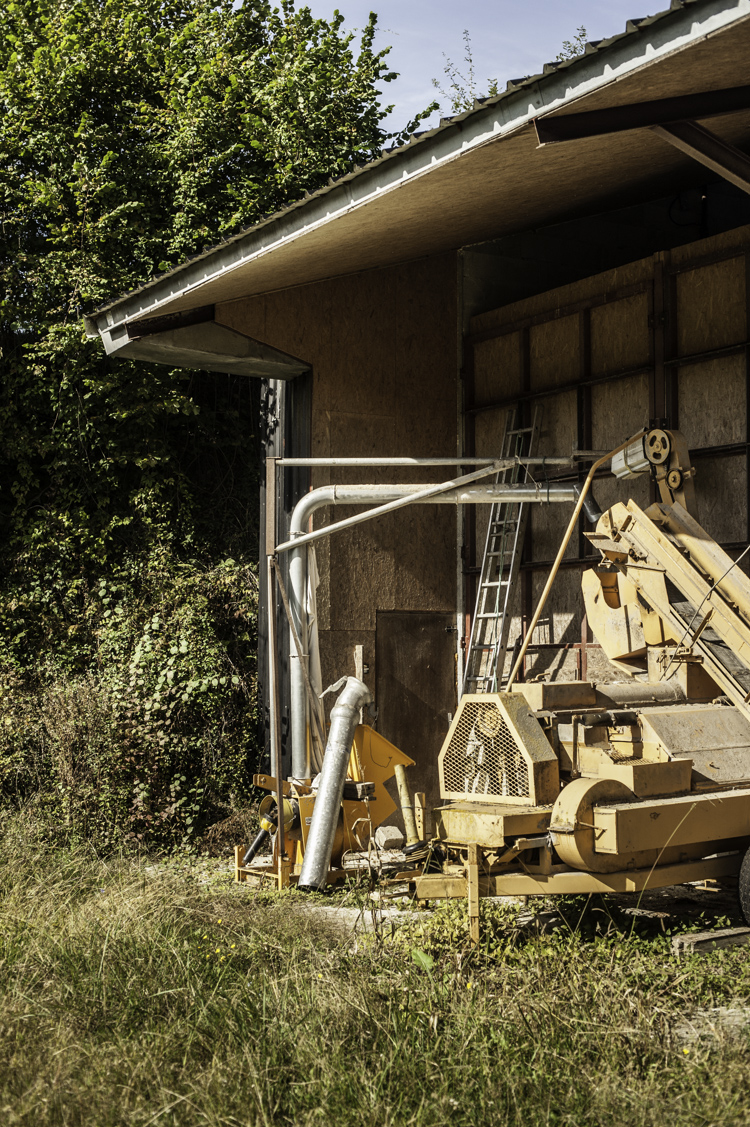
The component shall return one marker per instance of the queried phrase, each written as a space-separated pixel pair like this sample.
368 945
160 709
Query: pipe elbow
354 696
307 505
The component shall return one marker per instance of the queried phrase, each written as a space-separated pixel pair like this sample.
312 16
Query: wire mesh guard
482 758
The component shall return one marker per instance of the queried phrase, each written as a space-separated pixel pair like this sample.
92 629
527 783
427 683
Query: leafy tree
132 134
462 85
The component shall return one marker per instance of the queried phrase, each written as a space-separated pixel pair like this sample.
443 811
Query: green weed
134 995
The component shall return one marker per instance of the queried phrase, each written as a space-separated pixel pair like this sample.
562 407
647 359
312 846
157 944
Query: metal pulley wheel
488 723
572 823
675 479
269 822
657 446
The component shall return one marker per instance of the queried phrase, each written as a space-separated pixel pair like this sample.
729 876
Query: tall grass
133 995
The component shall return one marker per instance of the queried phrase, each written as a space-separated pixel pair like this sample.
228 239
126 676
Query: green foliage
135 995
462 87
574 47
143 748
132 135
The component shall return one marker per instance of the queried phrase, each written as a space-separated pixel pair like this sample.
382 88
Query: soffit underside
502 185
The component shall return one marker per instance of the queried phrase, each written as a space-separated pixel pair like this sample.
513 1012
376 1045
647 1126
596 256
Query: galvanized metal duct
363 495
325 816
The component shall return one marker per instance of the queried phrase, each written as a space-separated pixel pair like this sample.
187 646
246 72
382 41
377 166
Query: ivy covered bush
132 134
127 666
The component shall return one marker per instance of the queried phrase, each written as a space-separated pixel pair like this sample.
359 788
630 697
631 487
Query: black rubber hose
260 840
590 507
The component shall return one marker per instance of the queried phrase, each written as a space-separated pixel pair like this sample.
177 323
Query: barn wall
383 346
662 338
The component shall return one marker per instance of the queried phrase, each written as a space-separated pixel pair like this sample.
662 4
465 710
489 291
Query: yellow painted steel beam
651 556
668 822
488 825
435 886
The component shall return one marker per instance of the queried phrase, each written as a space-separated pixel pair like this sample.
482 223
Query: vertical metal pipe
273 692
325 815
407 810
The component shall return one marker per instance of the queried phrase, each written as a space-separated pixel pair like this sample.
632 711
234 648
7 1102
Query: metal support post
472 881
273 687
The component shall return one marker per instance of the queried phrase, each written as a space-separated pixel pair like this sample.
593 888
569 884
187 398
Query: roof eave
643 43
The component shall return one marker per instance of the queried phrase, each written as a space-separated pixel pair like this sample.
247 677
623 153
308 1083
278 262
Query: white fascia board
650 41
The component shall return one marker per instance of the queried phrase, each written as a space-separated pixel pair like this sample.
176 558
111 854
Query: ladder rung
500 559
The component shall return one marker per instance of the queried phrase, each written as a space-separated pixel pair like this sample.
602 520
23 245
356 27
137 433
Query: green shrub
147 746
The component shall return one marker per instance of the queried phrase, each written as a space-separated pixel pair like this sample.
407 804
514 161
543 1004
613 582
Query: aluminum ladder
488 644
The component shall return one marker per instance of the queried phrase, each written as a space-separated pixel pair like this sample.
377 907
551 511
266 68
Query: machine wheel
744 886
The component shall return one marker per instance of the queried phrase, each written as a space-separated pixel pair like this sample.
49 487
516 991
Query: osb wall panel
620 336
555 300
488 439
557 437
618 409
705 302
383 349
497 368
720 495
554 353
711 306
712 401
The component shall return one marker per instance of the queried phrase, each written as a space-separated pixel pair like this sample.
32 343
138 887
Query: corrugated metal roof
457 124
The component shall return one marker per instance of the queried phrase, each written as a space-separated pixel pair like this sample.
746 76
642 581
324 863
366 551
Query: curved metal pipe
325 815
363 495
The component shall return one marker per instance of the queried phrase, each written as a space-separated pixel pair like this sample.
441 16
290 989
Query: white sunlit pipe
362 495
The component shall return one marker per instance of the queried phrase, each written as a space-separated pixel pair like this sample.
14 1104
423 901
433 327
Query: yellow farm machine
549 787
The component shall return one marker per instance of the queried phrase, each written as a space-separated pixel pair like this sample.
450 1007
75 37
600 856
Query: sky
509 38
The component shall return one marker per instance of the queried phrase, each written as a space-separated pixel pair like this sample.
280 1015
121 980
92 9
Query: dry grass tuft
134 995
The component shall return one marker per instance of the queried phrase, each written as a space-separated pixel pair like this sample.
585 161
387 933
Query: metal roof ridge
633 28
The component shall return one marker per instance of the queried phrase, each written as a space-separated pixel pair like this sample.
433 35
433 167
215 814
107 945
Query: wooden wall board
489 430
339 655
416 690
721 497
488 438
550 304
711 305
383 346
711 396
618 409
548 524
723 245
638 321
554 353
558 433
620 334
497 368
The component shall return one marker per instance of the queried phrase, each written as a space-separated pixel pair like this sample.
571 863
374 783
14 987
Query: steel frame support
563 881
639 115
708 149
